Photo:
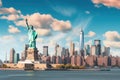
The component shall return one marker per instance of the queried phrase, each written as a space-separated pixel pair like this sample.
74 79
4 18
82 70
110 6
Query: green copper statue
32 35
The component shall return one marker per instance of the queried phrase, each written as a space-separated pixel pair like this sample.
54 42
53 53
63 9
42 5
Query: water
60 75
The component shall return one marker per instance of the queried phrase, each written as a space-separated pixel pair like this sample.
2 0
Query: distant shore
54 69
10 69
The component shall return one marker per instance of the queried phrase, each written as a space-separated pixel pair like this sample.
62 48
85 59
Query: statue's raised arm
27 24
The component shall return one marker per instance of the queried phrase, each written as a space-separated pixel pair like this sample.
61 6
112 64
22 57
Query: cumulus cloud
11 17
112 39
61 25
20 23
90 34
10 10
40 20
111 44
112 36
13 29
0 2
43 32
45 22
109 3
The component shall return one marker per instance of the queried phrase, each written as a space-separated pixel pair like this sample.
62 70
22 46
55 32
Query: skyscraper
67 52
93 50
98 47
56 46
72 48
59 51
16 58
24 53
45 50
106 51
88 50
12 53
63 52
81 39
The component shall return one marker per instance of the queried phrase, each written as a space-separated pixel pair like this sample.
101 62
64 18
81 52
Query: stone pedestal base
32 54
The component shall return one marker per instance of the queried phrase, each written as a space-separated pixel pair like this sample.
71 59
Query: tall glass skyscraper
81 39
98 47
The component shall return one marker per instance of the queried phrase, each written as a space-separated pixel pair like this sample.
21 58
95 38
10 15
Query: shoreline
55 69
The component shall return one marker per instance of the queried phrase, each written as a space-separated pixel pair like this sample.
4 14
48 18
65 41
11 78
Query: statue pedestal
32 54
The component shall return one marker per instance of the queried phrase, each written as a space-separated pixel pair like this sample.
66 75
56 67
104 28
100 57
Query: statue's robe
32 34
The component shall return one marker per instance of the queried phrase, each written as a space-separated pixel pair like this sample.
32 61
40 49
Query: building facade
12 53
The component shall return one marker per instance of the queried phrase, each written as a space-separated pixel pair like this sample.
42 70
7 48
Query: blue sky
59 21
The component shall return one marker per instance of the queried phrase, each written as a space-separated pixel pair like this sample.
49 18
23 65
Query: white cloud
87 12
11 17
109 3
91 34
0 2
113 44
13 29
40 20
20 23
10 10
112 36
112 39
61 25
45 22
43 32
115 52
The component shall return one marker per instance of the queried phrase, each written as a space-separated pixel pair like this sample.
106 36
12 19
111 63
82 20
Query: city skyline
98 22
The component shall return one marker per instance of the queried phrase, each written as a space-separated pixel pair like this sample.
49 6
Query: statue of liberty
32 35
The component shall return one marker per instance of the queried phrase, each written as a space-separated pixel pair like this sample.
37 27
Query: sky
59 21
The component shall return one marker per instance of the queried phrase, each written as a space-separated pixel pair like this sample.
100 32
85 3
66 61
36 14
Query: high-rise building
24 53
106 51
79 60
88 50
58 60
12 53
98 47
63 52
72 48
53 60
59 51
45 50
81 39
56 46
73 60
93 50
67 53
16 58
